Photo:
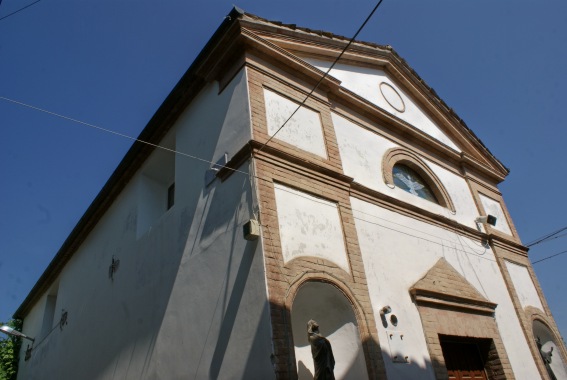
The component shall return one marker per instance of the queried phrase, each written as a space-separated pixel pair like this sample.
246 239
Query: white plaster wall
524 285
494 208
397 251
365 82
304 130
189 297
309 226
156 175
33 326
362 153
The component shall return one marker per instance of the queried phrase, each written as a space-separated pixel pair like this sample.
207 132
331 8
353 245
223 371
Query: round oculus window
392 97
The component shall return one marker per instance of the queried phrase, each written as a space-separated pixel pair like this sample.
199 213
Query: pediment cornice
442 286
287 45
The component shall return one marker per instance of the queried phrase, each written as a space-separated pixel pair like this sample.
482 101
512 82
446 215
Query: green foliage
9 352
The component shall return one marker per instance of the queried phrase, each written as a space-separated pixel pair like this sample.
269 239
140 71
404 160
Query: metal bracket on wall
63 320
211 173
113 268
397 347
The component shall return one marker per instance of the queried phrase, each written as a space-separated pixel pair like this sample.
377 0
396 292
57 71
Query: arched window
406 170
407 179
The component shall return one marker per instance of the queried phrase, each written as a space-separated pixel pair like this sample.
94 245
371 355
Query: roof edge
437 101
129 165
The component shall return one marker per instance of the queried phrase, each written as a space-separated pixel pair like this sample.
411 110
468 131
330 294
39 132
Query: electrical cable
323 77
117 133
424 239
19 10
548 257
547 237
297 193
405 226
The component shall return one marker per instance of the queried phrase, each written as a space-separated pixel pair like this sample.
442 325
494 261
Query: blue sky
499 65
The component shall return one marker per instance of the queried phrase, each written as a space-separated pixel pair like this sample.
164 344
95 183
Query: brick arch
406 157
307 277
364 321
534 314
340 273
361 360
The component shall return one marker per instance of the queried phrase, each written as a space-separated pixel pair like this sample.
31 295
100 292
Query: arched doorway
327 305
548 350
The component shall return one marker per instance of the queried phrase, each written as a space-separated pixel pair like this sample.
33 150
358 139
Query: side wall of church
187 296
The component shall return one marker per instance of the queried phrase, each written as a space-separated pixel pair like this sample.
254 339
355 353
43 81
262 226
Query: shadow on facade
357 355
297 363
185 300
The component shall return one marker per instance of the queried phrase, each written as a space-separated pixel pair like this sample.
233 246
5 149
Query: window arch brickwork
405 157
535 315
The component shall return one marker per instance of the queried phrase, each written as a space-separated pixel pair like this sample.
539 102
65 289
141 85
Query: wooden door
463 360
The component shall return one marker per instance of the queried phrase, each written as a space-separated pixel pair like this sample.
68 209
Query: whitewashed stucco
524 285
365 82
156 175
304 130
494 208
189 297
309 226
362 152
397 251
41 320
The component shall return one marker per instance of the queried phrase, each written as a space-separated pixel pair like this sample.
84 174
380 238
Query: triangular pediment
444 286
379 88
376 75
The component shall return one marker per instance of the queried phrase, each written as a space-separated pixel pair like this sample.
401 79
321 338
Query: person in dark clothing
322 353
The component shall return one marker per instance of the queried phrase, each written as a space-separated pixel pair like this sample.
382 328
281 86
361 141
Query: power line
114 132
324 75
547 237
257 177
548 257
181 153
19 10
478 255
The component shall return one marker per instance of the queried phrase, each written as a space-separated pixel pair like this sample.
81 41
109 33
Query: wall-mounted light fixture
212 172
488 219
11 331
385 310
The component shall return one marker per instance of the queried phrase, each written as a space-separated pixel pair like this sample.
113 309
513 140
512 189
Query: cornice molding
393 204
376 56
441 300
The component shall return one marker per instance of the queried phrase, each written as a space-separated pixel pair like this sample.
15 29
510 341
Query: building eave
184 91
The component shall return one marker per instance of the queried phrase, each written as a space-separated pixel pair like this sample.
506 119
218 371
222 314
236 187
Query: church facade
373 210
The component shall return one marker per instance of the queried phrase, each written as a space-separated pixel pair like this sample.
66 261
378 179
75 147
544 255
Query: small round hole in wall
394 319
392 96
